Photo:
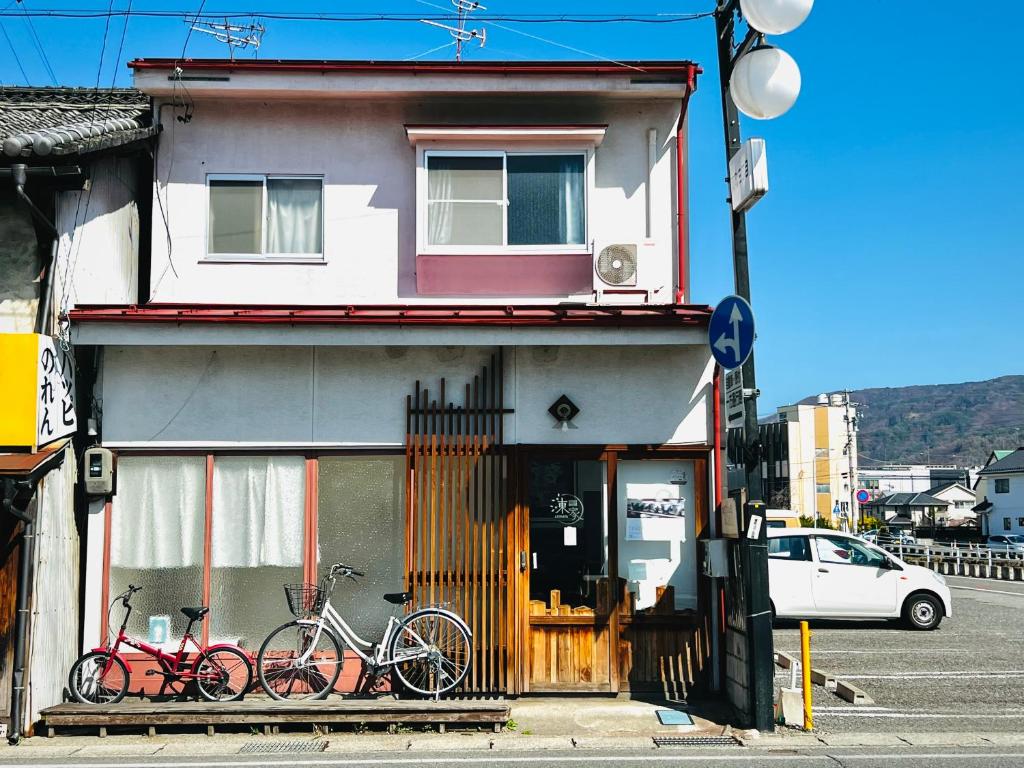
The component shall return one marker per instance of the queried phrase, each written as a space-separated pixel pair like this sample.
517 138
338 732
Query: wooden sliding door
570 628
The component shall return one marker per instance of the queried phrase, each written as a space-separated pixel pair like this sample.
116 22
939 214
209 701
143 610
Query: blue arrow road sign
731 332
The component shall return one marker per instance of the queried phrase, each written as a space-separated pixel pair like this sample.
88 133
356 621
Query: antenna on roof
233 35
459 32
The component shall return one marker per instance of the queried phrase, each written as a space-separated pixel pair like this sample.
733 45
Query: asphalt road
967 675
911 757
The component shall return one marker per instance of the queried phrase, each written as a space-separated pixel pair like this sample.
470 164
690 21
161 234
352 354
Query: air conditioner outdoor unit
615 267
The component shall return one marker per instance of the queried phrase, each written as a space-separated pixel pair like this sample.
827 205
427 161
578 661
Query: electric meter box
716 558
99 471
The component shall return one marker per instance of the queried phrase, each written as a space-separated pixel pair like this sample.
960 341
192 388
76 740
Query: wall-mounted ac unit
615 267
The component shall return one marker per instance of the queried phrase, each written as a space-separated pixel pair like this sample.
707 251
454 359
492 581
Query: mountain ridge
939 423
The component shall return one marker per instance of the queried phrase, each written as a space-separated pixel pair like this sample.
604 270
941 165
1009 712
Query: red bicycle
221 672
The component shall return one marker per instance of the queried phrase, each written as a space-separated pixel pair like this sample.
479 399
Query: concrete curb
851 693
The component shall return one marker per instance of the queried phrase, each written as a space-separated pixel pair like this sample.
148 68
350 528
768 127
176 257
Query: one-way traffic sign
731 332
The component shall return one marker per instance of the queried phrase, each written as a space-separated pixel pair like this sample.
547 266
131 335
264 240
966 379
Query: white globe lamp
765 82
775 17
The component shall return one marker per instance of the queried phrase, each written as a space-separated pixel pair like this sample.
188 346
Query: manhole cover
696 741
281 747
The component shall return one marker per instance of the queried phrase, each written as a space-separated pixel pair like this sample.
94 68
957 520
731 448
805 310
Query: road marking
747 756
993 591
932 715
887 651
1008 674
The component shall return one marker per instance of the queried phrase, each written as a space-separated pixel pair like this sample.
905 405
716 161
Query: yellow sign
36 392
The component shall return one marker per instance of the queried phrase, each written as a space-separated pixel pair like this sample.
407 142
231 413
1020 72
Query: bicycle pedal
151 672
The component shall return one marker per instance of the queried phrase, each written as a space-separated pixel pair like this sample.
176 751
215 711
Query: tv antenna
459 32
233 35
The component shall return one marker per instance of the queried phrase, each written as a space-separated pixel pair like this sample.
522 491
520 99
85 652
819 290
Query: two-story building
432 320
1000 487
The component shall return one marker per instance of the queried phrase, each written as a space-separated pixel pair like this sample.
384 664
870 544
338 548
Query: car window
1016 539
789 548
839 550
776 523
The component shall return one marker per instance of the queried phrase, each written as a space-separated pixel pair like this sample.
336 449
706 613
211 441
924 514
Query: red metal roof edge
625 68
472 314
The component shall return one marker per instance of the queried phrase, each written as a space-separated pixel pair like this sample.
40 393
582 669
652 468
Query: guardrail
969 560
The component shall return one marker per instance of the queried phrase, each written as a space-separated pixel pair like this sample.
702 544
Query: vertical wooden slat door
461 520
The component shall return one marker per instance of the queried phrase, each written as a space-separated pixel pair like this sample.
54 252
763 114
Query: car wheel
922 612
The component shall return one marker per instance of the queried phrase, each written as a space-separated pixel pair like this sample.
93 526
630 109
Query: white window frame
423 245
263 257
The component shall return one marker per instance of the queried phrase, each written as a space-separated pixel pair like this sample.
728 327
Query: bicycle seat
195 614
398 598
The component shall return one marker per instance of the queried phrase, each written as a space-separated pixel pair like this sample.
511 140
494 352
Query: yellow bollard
805 668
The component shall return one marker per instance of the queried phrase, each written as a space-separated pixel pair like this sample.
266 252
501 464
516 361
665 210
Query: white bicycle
430 650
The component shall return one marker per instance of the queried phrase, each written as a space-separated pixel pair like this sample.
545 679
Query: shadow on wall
19 267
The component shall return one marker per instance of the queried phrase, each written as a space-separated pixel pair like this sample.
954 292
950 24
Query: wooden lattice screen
461 521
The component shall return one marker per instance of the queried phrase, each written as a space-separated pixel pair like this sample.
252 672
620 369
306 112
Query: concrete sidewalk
537 725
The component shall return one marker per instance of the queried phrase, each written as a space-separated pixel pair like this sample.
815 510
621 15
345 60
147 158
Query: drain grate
696 741
281 747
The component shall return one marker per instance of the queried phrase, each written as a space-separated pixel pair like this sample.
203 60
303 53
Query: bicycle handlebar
345 570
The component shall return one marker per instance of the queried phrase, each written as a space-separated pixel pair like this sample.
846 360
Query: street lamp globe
775 17
765 82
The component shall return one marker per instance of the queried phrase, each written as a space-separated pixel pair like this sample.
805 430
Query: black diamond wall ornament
564 410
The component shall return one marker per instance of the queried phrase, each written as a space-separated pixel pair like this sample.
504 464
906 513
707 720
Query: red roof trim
681 68
524 315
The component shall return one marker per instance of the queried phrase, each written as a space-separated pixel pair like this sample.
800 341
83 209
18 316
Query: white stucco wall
1004 505
368 165
97 259
355 396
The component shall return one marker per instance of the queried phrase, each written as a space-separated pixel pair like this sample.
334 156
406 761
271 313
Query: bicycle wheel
432 652
98 678
295 662
223 674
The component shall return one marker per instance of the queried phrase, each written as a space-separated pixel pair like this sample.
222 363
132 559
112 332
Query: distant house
917 507
1000 487
961 502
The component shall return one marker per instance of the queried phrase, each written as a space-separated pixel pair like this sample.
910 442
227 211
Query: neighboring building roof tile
1012 462
907 500
37 122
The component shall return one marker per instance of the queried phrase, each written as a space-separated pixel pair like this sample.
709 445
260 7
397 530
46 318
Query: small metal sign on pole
748 174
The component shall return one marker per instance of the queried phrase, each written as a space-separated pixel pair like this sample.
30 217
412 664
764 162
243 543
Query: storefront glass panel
568 533
361 522
156 541
657 540
257 544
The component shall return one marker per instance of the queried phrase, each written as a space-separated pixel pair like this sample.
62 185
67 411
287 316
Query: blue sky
888 249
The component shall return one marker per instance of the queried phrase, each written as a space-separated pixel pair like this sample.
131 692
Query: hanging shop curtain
294 214
159 512
258 511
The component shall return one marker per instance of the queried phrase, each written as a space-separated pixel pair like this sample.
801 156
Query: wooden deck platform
270 715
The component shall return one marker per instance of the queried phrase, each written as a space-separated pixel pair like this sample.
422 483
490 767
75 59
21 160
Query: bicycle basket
304 600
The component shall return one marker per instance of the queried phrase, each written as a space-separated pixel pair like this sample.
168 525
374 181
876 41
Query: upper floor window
1002 485
495 200
271 217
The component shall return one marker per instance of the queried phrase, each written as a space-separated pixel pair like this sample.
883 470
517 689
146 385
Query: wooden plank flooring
267 712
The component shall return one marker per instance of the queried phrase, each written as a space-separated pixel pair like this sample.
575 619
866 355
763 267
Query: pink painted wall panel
505 275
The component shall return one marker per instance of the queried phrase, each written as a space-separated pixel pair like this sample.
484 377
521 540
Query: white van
816 573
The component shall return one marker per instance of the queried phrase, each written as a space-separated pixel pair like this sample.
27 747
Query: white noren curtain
259 507
159 512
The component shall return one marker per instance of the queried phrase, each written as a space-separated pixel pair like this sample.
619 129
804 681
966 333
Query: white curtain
294 216
570 205
159 512
259 507
439 206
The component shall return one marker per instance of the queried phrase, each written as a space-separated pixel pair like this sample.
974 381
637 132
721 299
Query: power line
372 16
17 58
38 43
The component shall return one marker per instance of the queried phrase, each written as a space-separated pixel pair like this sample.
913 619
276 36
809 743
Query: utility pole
767 85
851 454
752 552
